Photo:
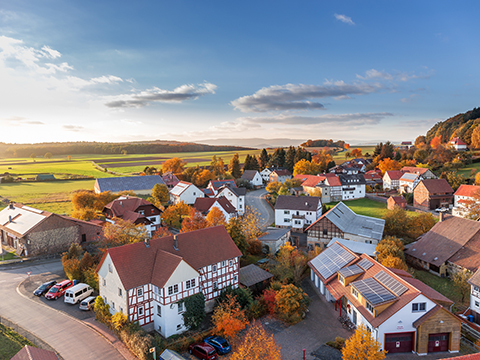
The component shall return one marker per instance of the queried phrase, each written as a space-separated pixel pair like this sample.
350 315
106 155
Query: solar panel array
350 271
365 264
331 260
373 291
390 283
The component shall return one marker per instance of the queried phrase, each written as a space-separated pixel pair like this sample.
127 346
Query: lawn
10 343
8 256
466 170
340 156
365 207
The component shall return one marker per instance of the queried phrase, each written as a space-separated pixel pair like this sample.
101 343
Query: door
438 342
398 342
354 317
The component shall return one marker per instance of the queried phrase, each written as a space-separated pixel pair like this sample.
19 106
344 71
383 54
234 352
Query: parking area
29 285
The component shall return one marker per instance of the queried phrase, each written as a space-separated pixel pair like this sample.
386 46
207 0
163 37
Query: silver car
88 303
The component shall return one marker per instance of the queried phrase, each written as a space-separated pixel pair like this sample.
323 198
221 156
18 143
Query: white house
408 181
401 313
253 177
205 205
353 186
235 195
458 144
297 212
474 282
391 179
265 174
215 185
186 192
280 175
148 281
424 172
462 198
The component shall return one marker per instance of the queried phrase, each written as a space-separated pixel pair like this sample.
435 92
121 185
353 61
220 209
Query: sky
359 71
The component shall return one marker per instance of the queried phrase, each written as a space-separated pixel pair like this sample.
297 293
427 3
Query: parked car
58 290
219 343
88 303
43 289
203 351
77 293
441 209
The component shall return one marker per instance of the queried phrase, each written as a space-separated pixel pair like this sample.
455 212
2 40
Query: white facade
265 174
227 215
389 183
459 208
353 191
238 201
406 185
257 180
297 219
111 288
475 299
185 192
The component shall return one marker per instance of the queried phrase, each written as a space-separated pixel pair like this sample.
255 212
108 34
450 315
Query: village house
147 281
235 195
353 186
253 177
458 144
280 175
342 222
265 174
216 185
373 178
399 201
274 238
463 197
431 194
408 181
170 179
474 282
405 145
186 192
135 210
329 184
140 185
297 212
424 172
205 205
453 244
34 232
401 313
391 179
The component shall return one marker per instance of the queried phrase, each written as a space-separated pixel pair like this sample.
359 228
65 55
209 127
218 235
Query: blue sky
360 71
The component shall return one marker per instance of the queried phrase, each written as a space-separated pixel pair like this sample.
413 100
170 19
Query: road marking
18 277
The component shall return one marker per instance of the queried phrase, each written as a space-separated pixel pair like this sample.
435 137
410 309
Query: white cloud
146 97
296 96
74 128
345 19
52 54
374 74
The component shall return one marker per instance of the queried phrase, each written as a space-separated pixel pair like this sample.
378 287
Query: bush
254 247
138 342
119 321
338 344
256 309
102 311
243 296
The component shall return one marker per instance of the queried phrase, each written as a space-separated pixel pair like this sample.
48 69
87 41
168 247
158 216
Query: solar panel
350 271
331 260
390 283
373 291
365 264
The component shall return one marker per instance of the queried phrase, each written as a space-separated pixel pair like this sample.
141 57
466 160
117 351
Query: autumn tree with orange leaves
175 165
216 217
436 141
228 318
194 221
356 152
174 214
388 164
257 344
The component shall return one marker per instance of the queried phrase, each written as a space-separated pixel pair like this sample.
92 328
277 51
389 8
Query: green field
365 207
10 343
340 156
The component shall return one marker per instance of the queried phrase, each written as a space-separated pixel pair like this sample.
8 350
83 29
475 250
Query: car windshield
42 287
211 352
222 342
84 303
54 289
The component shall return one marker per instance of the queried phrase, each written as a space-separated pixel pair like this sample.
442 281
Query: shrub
254 247
243 296
256 309
194 311
102 311
138 342
119 321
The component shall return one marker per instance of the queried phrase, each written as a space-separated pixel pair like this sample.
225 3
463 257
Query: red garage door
399 342
437 342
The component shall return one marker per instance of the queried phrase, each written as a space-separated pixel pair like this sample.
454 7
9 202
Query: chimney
121 203
11 206
175 242
440 216
9 218
147 242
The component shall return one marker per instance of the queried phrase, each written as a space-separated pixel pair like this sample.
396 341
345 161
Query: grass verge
10 342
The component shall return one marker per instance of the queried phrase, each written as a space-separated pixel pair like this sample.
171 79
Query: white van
77 293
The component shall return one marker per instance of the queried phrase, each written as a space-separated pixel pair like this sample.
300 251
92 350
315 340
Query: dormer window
369 307
341 279
355 292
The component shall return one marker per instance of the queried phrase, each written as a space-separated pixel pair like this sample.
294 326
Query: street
70 337
256 199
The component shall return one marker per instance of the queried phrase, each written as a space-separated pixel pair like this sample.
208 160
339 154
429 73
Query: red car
58 290
203 351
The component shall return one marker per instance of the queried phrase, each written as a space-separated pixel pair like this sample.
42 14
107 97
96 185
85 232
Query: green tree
194 311
263 159
460 281
48 155
234 166
33 156
290 158
234 228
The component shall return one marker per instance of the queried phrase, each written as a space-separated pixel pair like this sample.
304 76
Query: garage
399 342
438 342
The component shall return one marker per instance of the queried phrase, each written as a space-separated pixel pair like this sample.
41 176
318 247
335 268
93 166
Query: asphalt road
256 200
68 336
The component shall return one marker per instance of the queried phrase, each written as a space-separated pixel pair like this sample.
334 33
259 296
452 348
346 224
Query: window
214 285
192 283
230 263
109 267
139 292
235 278
180 308
354 292
325 231
240 206
286 212
175 288
140 311
113 305
104 282
417 307
214 267
476 288
121 310
369 307
119 292
286 220
477 304
179 326
141 212
159 310
187 284
341 279
223 263
170 290
194 193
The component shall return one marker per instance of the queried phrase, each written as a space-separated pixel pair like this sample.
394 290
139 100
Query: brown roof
427 316
302 203
249 174
313 180
445 239
394 174
123 205
465 357
475 279
398 199
205 204
437 186
33 353
400 272
427 290
333 180
138 264
282 172
414 170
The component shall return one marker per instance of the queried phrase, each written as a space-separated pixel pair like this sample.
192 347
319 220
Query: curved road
69 337
256 200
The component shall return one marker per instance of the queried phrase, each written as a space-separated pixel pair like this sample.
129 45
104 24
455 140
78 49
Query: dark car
203 351
43 289
219 343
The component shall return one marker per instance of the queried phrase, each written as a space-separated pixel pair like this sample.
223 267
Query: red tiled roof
312 181
332 180
121 206
465 357
456 141
467 190
414 170
437 186
204 204
394 174
400 272
33 353
398 200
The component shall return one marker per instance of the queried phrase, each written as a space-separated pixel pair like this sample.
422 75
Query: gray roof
252 274
409 176
273 234
353 179
236 190
347 221
355 246
303 203
21 218
133 183
249 174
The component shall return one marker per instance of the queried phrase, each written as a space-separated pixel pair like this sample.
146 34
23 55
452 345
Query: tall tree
194 221
290 158
257 344
228 318
174 214
234 228
460 280
175 165
362 346
278 158
291 303
234 166
160 194
123 232
263 159
216 217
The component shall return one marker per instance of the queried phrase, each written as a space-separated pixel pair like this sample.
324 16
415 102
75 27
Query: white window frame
120 292
139 291
181 308
159 310
141 310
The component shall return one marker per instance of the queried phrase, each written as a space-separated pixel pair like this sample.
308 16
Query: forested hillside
461 125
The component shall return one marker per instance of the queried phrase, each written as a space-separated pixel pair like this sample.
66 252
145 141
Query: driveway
256 199
70 337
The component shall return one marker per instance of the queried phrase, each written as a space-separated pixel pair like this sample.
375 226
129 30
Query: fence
28 335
